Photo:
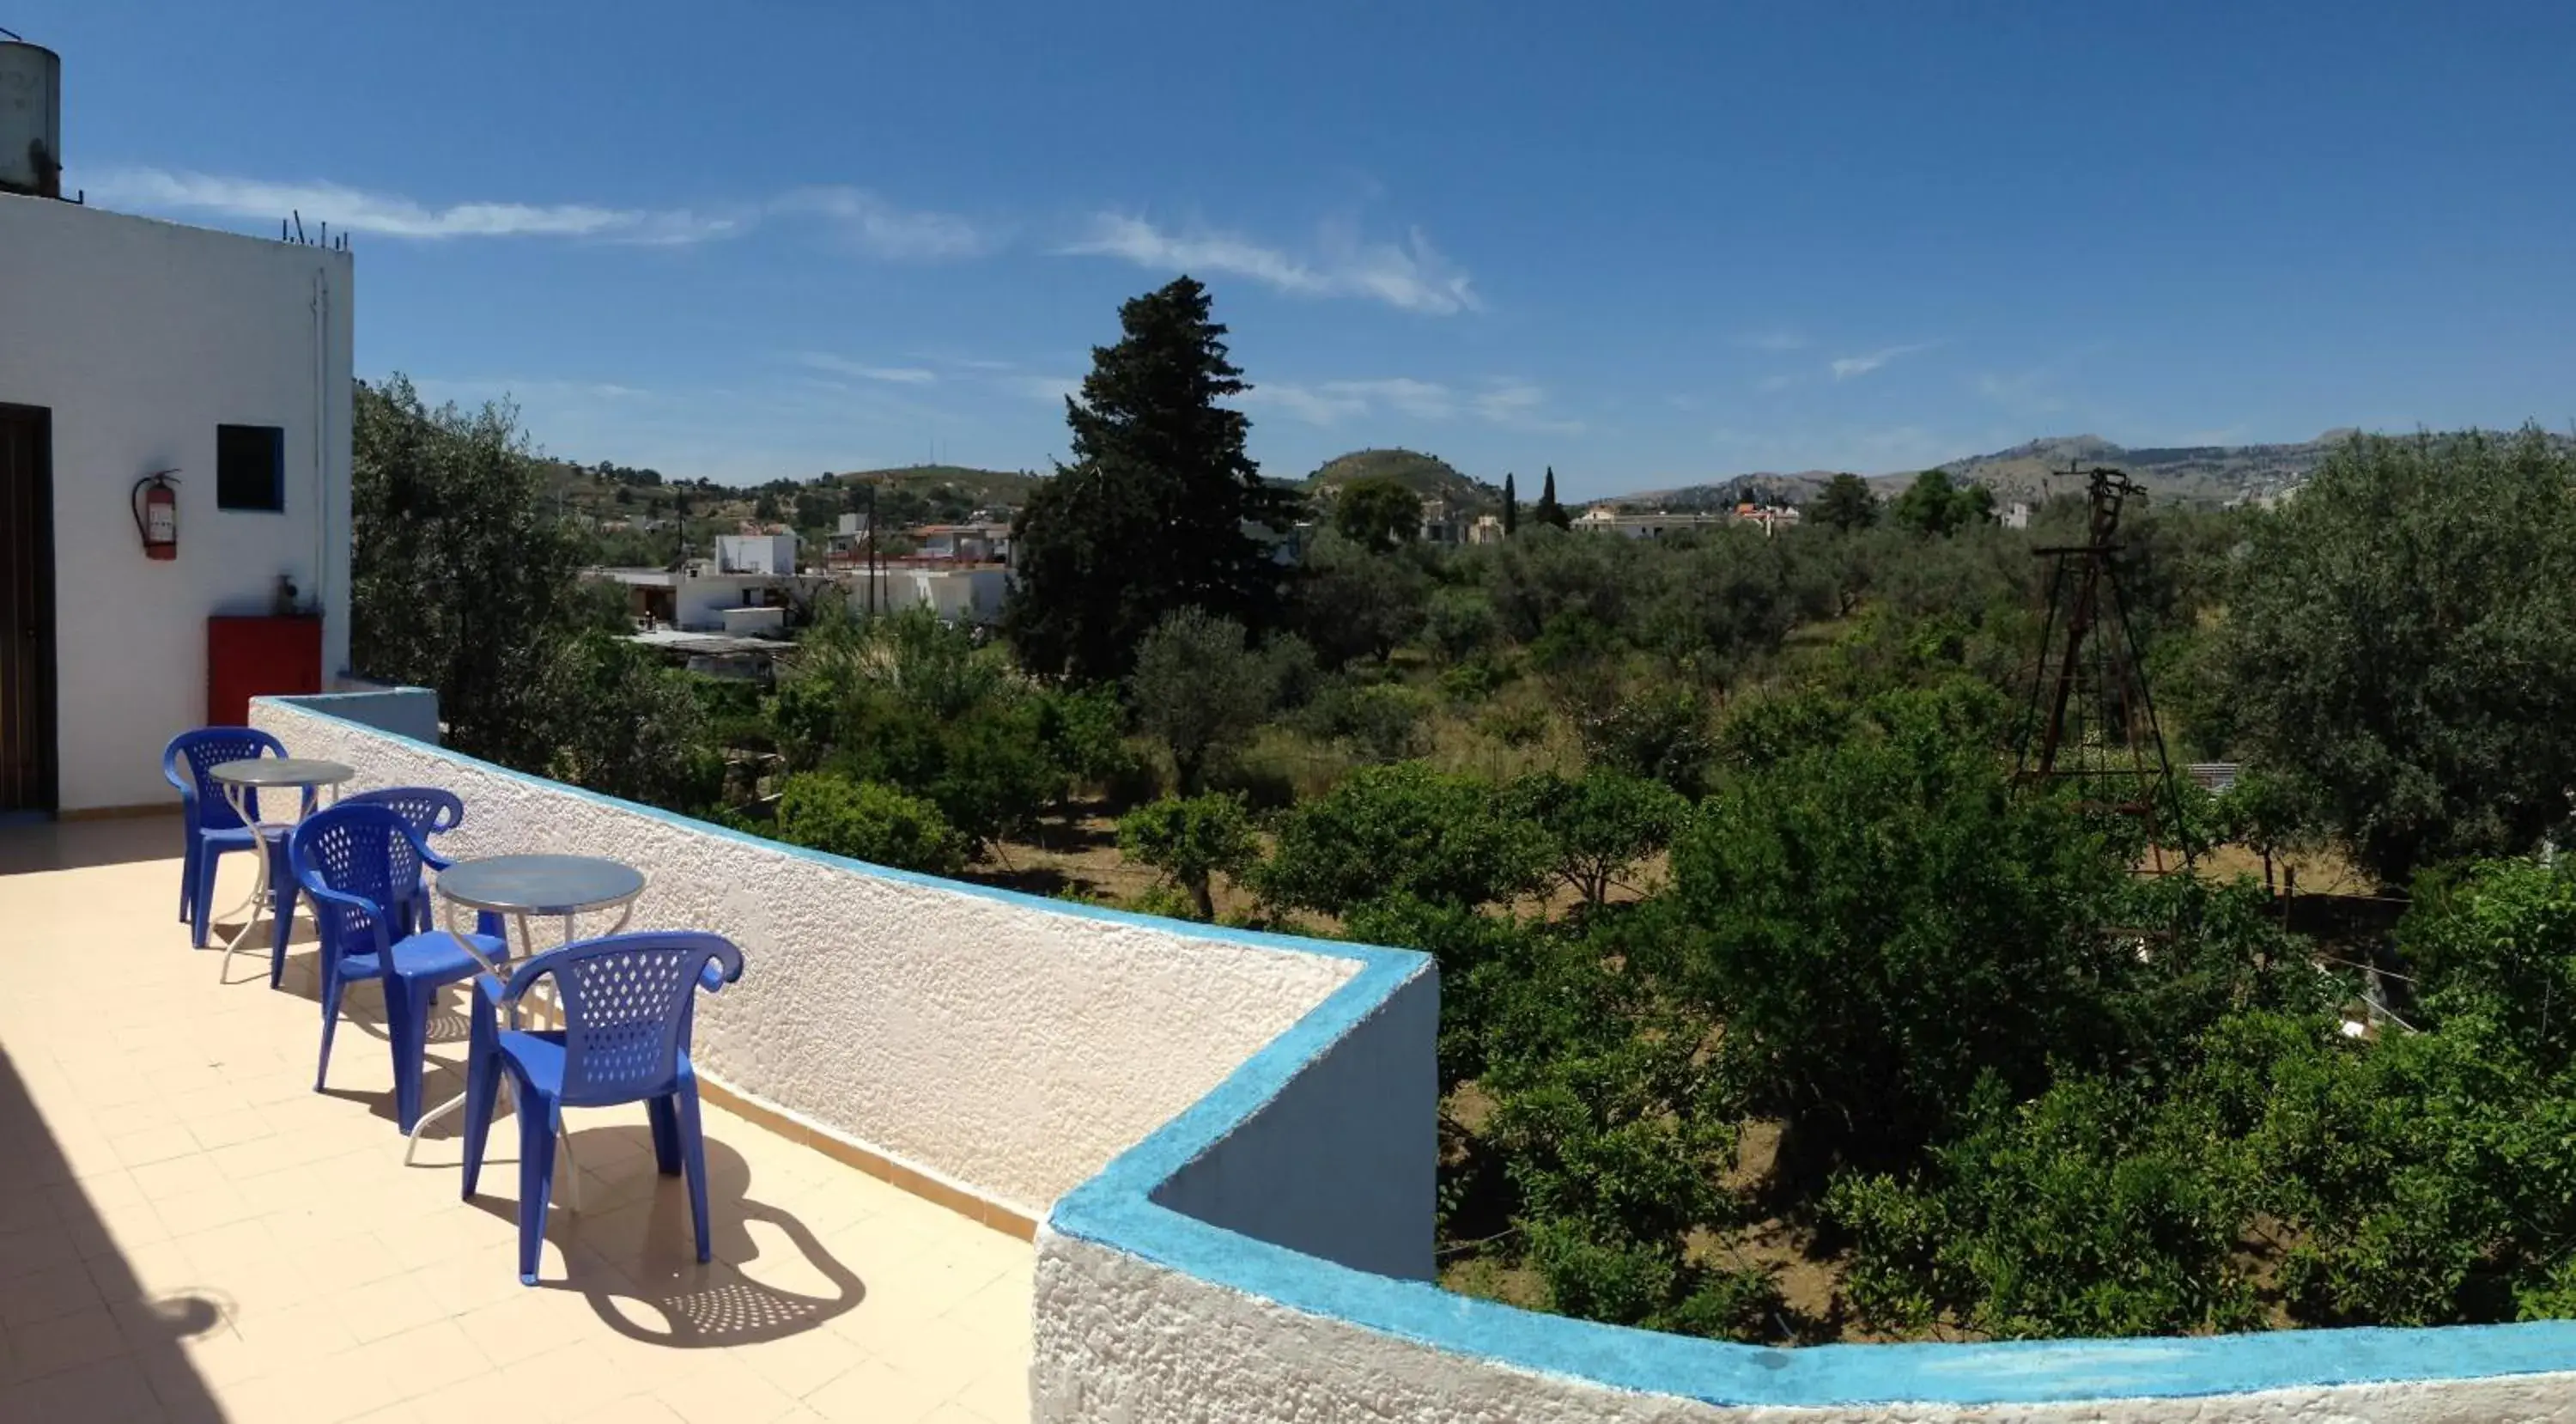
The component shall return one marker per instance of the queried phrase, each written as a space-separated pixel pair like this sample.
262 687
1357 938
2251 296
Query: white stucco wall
1008 1045
958 595
141 337
1121 1339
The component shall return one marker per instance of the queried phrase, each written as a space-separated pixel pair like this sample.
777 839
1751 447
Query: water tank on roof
31 119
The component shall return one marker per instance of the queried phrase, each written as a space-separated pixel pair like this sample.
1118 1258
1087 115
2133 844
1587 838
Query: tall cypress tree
1511 506
1548 511
1157 510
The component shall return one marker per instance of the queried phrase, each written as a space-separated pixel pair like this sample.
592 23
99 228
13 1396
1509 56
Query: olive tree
1199 689
2402 643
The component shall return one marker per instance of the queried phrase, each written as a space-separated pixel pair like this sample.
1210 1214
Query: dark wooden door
27 766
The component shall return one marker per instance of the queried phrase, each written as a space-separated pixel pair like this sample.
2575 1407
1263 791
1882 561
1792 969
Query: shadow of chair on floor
362 1008
654 1289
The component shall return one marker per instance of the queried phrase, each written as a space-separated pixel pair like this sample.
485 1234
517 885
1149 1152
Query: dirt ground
1079 855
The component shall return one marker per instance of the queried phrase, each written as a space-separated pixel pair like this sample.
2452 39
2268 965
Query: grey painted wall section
1343 1163
404 711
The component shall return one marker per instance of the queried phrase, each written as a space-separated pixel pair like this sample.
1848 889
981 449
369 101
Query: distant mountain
2194 474
1425 475
960 488
1763 488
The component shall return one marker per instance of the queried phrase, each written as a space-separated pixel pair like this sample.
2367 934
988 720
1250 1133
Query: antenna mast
2091 718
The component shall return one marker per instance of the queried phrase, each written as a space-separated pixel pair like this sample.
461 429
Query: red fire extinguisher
156 514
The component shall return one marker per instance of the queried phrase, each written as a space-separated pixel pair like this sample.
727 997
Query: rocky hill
1762 488
2195 474
954 490
2199 474
1425 475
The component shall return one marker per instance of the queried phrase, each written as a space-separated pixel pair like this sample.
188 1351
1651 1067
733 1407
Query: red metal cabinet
258 657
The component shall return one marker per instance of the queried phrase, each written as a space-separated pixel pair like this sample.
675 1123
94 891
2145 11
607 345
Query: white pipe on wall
321 579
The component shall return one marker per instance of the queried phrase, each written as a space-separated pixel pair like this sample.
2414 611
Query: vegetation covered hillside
639 516
2206 474
944 493
1426 475
1797 489
2196 474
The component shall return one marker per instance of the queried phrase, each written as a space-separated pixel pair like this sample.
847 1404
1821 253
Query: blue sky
1645 243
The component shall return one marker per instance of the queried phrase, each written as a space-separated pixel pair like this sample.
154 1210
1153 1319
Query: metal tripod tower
2091 719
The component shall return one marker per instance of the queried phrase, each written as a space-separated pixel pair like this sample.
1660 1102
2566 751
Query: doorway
27 751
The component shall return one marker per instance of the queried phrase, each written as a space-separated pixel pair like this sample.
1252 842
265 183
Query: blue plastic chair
429 811
628 1003
361 866
212 829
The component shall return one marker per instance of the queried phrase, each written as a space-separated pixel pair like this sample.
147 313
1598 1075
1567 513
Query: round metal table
524 885
520 886
242 781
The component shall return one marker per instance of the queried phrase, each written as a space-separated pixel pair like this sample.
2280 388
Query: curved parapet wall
1158 1300
1237 1134
1000 1044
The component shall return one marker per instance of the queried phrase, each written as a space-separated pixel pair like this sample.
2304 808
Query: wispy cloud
844 366
884 229
391 215
1316 405
523 389
1508 404
1777 338
1846 367
1331 402
1773 385
1410 275
868 222
1518 405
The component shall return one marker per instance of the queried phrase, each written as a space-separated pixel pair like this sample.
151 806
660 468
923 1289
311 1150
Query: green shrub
1460 624
1378 722
1083 734
1514 726
1472 681
2497 941
1191 841
1660 734
865 820
1402 829
1881 922
623 724
1618 1282
1168 902
1598 827
2077 1214
1200 690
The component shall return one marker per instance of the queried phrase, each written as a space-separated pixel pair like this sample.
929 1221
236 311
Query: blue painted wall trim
1115 1210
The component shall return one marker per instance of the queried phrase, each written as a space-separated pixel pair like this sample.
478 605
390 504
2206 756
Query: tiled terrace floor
189 1232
